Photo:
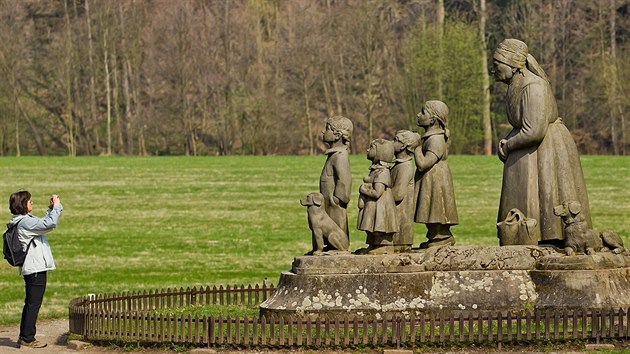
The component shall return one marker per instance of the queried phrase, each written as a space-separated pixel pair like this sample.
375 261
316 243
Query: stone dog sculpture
579 237
323 228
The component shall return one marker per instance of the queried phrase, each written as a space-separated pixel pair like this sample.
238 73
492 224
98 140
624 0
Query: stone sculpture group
548 255
541 173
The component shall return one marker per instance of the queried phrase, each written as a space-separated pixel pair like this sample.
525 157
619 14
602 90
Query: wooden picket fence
132 317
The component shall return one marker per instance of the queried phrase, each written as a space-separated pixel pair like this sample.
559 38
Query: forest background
223 77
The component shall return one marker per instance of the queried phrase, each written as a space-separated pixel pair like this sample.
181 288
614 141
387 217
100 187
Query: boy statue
335 182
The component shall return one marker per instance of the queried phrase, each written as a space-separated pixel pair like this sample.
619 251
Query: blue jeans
35 285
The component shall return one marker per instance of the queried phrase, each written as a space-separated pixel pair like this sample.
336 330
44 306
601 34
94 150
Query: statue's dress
379 215
436 198
543 168
402 174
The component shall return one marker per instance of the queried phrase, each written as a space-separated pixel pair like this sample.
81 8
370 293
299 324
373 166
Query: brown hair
18 202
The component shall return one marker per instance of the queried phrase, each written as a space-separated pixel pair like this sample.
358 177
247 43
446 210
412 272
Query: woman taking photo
38 261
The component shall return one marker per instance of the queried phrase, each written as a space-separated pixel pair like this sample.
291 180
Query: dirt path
52 332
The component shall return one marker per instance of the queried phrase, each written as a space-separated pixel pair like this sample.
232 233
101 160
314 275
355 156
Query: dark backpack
11 246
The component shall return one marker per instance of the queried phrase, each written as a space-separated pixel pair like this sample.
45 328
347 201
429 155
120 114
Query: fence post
256 295
500 329
595 325
263 330
211 332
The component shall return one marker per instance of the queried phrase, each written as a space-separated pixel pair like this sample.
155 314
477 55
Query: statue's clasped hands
502 150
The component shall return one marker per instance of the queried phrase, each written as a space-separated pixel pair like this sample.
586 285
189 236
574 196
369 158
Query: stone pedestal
452 278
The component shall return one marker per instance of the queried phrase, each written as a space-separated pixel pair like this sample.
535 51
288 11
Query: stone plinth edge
509 278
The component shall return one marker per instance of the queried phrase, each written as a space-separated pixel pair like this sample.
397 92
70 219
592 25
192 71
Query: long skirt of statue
435 205
378 215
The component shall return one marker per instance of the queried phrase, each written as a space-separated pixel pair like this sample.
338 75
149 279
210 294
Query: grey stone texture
450 278
78 345
541 164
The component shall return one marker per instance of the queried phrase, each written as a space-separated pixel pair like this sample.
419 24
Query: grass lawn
134 223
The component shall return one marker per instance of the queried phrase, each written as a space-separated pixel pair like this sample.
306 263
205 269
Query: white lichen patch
526 288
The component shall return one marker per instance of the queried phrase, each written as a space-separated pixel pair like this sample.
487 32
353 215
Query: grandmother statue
541 164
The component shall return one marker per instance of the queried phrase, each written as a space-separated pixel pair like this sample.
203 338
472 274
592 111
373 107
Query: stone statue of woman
541 163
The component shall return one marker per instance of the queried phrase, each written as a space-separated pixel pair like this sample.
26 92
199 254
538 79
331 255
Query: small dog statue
322 226
579 238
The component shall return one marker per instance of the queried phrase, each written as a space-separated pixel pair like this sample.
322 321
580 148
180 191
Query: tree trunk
92 73
116 102
17 119
441 13
68 82
108 95
618 146
126 127
307 113
487 126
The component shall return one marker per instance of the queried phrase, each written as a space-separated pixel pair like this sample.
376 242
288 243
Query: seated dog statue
323 228
579 238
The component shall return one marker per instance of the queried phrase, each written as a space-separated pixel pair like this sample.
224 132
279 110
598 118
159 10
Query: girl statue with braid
435 203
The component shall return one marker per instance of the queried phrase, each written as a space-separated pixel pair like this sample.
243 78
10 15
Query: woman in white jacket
39 260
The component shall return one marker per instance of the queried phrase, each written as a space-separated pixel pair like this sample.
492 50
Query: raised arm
435 148
40 226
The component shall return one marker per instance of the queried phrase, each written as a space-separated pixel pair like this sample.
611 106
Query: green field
134 223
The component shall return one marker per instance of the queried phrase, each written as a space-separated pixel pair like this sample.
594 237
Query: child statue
405 143
377 210
435 204
335 182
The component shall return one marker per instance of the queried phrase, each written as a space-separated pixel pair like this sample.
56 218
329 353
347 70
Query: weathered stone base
511 278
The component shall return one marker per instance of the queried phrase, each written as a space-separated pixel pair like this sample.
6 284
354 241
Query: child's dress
402 174
434 188
378 215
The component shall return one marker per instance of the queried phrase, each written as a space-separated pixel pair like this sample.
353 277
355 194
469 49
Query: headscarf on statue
515 53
